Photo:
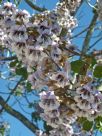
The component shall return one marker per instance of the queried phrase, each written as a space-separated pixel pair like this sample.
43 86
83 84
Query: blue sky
16 127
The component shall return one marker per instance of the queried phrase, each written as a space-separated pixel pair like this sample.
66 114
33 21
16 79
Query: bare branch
18 115
95 43
13 90
8 58
89 34
83 31
33 6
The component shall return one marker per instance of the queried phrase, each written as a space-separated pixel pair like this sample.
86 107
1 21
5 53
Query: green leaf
2 131
13 63
81 120
22 71
28 86
0 1
98 119
98 122
19 64
98 71
77 65
87 125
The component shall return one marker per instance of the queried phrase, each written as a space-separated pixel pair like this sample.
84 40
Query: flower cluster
50 105
53 116
32 39
43 43
72 4
88 102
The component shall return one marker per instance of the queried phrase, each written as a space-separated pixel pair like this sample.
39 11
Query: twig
8 58
95 43
89 34
18 115
33 6
80 33
20 105
13 90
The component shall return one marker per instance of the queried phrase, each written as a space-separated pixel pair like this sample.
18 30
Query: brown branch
89 34
91 46
71 51
18 115
83 31
33 6
11 93
8 58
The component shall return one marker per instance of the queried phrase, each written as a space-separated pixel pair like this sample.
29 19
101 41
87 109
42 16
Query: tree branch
95 43
11 93
83 31
18 115
89 34
8 58
33 6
